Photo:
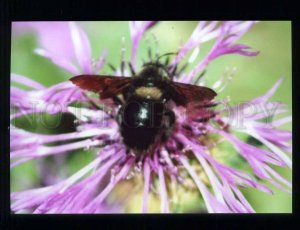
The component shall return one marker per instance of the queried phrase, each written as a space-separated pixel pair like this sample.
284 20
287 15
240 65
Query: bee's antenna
166 54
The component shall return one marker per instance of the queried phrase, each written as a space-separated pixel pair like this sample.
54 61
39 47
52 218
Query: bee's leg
207 105
117 100
102 107
206 118
96 106
168 124
119 117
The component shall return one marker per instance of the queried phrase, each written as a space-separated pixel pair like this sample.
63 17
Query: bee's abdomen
138 138
140 122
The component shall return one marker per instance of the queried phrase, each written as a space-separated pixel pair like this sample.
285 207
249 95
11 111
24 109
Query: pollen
149 92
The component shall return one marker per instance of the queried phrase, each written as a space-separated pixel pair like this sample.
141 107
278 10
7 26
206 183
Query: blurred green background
254 76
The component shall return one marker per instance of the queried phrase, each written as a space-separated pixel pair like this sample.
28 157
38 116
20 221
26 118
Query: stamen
163 191
183 68
112 67
156 46
131 69
194 55
147 174
199 78
224 80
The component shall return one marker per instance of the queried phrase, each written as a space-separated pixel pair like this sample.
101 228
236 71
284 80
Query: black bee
145 117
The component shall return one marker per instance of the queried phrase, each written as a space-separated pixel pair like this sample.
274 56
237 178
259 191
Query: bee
145 116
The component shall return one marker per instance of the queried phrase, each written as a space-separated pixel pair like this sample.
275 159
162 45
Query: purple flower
188 154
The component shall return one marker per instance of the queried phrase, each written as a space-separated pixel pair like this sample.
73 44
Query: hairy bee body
145 117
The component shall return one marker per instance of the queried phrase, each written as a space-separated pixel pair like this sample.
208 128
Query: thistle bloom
188 154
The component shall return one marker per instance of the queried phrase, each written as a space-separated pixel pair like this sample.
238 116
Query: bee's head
157 70
154 72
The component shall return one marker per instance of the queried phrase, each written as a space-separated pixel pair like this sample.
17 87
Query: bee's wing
184 94
106 86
